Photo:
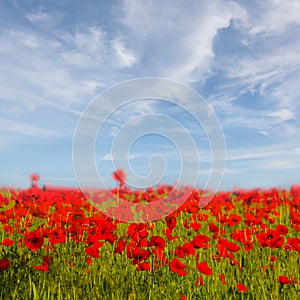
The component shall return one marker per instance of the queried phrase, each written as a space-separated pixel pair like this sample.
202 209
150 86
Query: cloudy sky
242 56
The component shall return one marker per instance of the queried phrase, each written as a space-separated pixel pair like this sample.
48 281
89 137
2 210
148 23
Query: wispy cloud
281 165
35 131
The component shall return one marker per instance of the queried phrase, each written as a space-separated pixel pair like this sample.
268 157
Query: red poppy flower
283 280
121 245
169 235
57 235
234 262
7 242
185 250
136 253
171 222
182 297
222 278
142 243
234 220
34 177
248 246
157 241
178 267
282 230
204 268
241 287
8 228
159 254
43 267
119 175
271 239
4 264
232 247
144 266
137 232
195 226
92 251
292 244
199 281
89 261
48 259
200 241
250 219
242 235
34 240
143 233
202 217
213 227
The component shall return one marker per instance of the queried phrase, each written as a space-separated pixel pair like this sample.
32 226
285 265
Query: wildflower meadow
243 244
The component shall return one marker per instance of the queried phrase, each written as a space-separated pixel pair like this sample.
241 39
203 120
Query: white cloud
44 19
273 17
281 115
93 86
92 40
45 73
265 133
176 40
266 61
88 47
28 40
275 152
126 58
107 157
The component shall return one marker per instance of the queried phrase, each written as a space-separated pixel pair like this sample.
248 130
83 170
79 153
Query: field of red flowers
243 244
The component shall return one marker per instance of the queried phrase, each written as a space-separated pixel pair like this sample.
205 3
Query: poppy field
243 244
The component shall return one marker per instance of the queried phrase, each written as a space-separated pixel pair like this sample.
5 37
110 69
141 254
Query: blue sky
243 57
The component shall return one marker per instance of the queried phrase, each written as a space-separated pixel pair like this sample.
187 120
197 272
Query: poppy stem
118 194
